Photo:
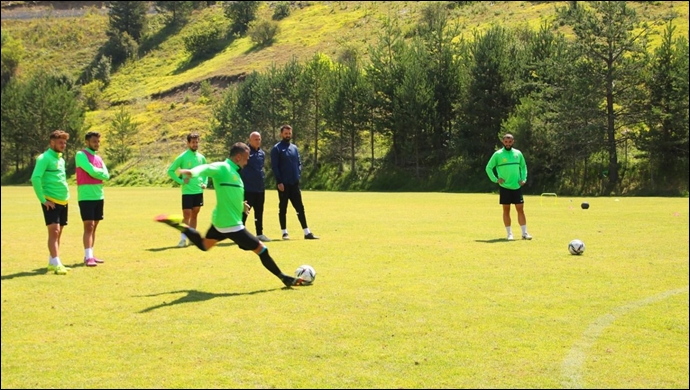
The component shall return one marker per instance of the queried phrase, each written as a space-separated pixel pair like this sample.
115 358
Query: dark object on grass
584 205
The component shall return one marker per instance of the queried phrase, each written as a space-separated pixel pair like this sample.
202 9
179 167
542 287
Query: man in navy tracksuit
253 177
287 168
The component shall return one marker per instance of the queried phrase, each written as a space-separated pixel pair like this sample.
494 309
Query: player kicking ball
227 216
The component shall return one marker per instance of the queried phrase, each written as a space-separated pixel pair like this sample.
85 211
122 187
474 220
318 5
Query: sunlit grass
413 290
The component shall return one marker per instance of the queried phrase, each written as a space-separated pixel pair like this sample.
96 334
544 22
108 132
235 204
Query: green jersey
510 166
188 160
229 192
49 179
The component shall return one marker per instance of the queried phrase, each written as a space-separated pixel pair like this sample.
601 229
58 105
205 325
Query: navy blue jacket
253 173
285 162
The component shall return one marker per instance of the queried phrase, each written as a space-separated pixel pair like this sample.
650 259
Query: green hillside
161 88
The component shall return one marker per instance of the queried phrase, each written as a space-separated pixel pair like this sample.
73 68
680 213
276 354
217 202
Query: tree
317 73
664 141
489 98
224 117
177 11
348 111
443 71
241 13
612 43
383 74
121 136
32 109
128 17
12 53
415 106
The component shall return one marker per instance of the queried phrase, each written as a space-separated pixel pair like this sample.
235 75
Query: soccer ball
306 272
576 247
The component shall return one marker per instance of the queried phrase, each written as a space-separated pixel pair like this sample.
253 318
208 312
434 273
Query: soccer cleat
286 236
290 281
58 269
182 243
173 221
510 237
99 261
310 236
90 262
526 236
263 238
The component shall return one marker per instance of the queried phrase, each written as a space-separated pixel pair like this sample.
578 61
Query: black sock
270 265
195 238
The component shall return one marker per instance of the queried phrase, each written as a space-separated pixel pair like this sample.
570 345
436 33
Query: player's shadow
36 272
190 246
197 296
492 241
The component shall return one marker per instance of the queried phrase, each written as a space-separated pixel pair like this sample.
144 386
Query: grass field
414 290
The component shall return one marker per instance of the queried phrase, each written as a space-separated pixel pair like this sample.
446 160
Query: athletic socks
524 229
195 238
509 230
269 264
88 253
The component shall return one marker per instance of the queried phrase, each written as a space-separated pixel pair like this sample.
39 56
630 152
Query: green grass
414 290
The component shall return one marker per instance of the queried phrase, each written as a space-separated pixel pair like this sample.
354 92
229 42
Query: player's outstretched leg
175 221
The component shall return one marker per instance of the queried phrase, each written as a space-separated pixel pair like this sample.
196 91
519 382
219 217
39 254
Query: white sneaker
182 244
510 237
526 236
263 238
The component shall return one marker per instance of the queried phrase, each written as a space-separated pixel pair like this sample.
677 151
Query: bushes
263 32
203 40
282 10
120 47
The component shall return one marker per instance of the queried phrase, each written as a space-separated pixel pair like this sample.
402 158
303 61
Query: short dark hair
283 127
59 134
192 136
92 134
237 148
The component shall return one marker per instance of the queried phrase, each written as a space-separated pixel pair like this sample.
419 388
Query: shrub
203 40
282 10
120 47
91 94
263 32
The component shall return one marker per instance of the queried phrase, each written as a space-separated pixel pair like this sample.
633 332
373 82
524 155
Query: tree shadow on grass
152 42
193 61
198 296
492 241
37 272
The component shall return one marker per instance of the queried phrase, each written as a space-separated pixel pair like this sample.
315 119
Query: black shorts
510 196
91 210
192 201
56 215
245 240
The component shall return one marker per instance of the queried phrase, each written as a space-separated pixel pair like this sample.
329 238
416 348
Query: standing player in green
227 216
192 190
91 171
512 175
50 185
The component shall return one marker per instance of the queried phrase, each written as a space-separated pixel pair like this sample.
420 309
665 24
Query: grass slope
69 44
